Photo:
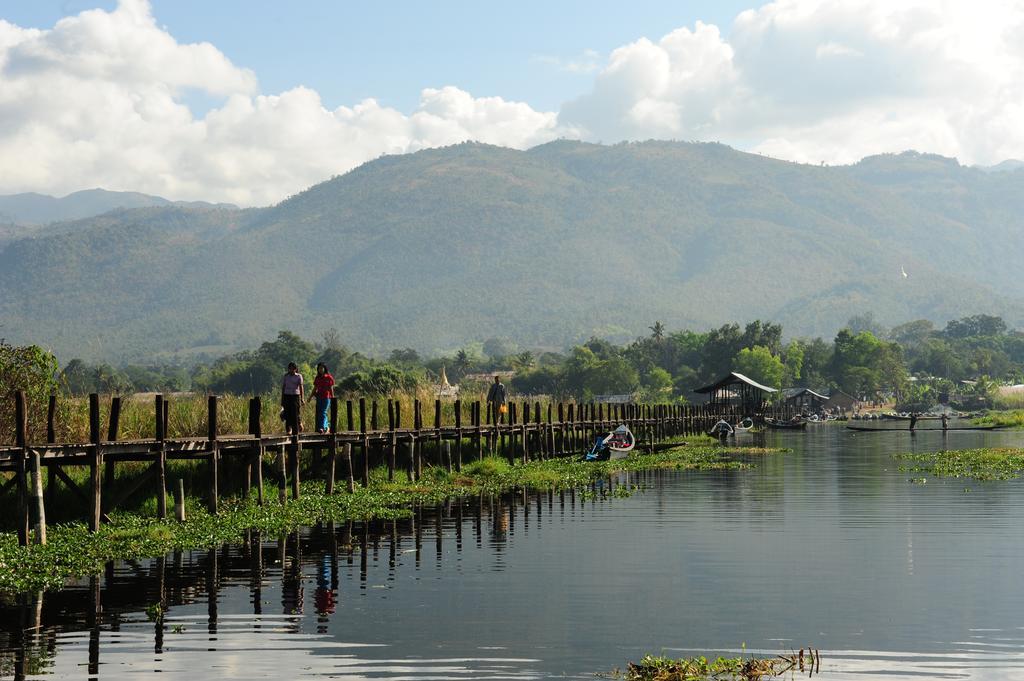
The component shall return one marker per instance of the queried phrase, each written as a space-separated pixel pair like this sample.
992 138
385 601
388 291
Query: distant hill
40 209
545 246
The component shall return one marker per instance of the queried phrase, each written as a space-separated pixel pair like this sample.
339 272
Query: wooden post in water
509 445
161 457
37 493
21 440
417 424
51 438
365 443
458 435
94 464
409 472
257 432
348 468
282 480
332 451
179 502
113 425
214 453
437 433
392 441
479 433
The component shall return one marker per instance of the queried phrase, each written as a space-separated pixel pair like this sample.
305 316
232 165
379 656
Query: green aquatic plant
700 668
73 551
978 464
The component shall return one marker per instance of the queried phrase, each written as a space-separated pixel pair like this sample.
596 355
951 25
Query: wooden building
736 390
805 400
844 402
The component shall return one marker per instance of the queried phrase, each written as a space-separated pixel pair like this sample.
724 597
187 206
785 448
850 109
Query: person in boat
945 421
497 397
913 421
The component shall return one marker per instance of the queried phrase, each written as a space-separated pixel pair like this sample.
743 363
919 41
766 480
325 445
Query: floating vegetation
1010 418
979 464
72 551
652 668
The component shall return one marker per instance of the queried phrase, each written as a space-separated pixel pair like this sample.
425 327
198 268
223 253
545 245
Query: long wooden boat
785 425
865 429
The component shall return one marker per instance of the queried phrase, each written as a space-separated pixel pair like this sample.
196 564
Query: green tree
761 365
33 370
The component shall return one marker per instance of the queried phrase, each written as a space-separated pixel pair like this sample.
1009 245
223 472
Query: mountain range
545 247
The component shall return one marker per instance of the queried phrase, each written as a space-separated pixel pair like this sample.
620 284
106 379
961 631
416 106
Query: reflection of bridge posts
438 533
364 542
93 621
211 592
478 511
256 572
158 621
458 526
418 533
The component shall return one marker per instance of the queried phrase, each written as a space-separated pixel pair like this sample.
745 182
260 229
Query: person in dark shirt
292 395
497 396
913 421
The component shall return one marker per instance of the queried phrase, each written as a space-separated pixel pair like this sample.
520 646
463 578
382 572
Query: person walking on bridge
292 394
323 390
497 397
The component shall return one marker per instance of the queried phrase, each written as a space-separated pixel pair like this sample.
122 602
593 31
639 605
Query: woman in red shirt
323 389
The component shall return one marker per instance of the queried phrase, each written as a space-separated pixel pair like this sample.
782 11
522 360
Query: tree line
912 362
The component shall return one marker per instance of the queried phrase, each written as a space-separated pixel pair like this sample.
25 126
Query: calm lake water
828 545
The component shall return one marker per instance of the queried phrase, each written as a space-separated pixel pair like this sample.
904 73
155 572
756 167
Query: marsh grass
73 551
187 415
1013 418
977 464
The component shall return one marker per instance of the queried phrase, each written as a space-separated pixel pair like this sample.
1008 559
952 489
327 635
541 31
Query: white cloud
830 80
588 61
98 101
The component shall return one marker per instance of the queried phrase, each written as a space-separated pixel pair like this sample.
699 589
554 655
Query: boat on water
744 426
615 445
796 423
869 429
722 429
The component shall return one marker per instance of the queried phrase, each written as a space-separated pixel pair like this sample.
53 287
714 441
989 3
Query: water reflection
828 545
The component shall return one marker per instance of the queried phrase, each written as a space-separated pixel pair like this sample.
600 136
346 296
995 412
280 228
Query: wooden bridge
531 431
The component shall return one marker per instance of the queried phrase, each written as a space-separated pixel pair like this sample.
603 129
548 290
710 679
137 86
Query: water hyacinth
72 551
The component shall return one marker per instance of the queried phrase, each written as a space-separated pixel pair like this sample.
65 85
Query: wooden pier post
437 434
410 464
255 467
21 440
282 476
479 431
179 501
458 435
417 424
161 457
51 438
364 443
332 450
509 445
109 474
94 464
214 453
392 441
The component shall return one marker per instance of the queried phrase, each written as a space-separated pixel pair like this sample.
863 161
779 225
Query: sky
249 101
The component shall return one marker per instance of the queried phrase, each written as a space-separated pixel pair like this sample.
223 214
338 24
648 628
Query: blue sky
248 101
387 50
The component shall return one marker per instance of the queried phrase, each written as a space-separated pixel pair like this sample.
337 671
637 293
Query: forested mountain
39 209
545 246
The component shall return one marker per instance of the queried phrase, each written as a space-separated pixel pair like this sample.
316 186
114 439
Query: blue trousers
323 406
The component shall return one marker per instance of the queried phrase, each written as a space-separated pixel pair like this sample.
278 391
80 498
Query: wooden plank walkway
531 431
